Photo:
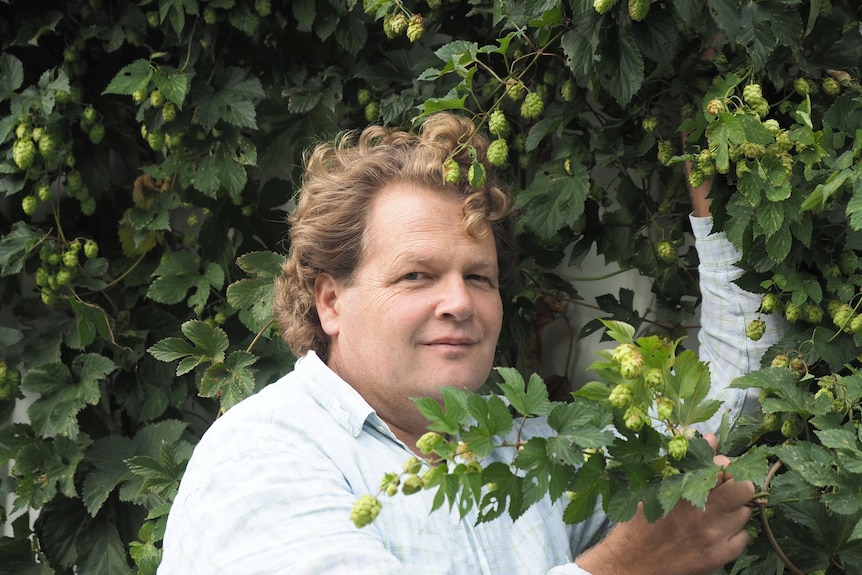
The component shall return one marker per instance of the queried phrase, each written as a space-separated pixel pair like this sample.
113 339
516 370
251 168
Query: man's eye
412 276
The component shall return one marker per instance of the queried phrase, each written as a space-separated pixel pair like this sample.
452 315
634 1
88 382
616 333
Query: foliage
149 149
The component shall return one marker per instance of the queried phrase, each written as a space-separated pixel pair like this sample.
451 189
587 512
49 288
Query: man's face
423 310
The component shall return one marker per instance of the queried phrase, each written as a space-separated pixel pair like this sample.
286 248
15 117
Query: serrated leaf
231 380
230 100
446 419
106 455
15 246
174 85
131 78
105 552
621 66
11 75
527 398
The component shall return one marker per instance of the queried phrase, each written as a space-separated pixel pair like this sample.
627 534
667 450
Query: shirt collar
339 398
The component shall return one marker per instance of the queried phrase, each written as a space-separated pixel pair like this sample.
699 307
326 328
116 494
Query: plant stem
768 530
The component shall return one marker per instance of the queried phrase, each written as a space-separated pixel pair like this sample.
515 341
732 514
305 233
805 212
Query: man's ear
326 291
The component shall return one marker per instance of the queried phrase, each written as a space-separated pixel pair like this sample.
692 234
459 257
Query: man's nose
455 301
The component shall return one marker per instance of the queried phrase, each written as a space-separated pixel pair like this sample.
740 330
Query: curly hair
340 181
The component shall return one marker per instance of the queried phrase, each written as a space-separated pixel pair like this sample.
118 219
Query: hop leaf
365 510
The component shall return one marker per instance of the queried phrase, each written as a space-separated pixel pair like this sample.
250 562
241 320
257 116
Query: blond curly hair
340 181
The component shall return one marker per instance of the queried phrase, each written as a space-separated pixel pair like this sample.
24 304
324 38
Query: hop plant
157 99
515 89
498 125
666 251
498 152
412 484
620 396
567 90
451 171
755 330
398 23
664 408
831 86
801 86
169 112
23 153
603 6
363 96
365 510
752 94
665 152
649 123
29 205
634 418
429 441
532 106
415 28
638 9
769 303
677 447
372 111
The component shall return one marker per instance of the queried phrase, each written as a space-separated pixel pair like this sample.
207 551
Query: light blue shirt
270 487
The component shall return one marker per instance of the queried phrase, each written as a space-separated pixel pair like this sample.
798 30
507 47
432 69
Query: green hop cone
603 6
210 16
365 510
263 8
157 99
755 330
752 93
90 115
415 28
634 418
398 23
813 312
44 192
567 90
532 106
91 249
451 171
363 96
769 303
665 152
49 144
23 153
654 378
97 133
372 111
515 89
667 252
620 396
801 86
476 174
638 9
70 258
831 86
429 441
649 123
664 408
715 106
169 112
498 152
412 484
139 95
856 324
498 125
156 140
412 465
29 204
791 427
65 277
677 447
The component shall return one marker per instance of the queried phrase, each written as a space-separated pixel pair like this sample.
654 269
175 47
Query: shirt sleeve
725 312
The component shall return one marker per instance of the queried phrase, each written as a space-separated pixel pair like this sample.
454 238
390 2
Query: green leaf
106 455
230 100
687 386
351 33
231 380
15 246
527 399
178 274
131 78
11 75
174 85
588 486
208 344
555 200
446 419
621 66
304 11
105 552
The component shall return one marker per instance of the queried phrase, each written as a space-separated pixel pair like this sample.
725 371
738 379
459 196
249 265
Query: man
390 292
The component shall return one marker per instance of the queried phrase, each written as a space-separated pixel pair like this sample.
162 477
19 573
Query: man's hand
687 541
